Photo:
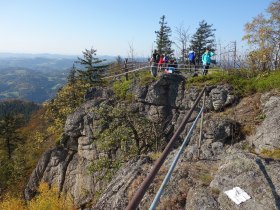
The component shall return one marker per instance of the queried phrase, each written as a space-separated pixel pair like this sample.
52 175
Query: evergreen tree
9 136
202 39
25 108
163 38
92 67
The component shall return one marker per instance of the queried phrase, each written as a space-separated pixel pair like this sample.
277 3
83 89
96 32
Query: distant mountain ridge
35 77
42 62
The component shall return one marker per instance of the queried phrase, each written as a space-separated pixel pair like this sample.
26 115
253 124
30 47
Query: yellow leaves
263 33
259 59
39 137
48 199
65 102
10 203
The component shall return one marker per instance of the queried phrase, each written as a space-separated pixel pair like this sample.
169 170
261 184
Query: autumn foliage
47 199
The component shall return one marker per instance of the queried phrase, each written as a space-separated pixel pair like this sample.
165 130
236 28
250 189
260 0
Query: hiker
161 62
206 60
154 62
166 60
191 57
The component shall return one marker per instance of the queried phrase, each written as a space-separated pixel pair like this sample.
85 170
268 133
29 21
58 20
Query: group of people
205 58
162 63
169 65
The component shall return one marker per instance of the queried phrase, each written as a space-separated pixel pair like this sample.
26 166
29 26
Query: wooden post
201 125
126 69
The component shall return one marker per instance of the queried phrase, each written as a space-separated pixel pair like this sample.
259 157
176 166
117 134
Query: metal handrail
136 199
171 169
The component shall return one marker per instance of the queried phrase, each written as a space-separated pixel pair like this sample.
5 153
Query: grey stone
267 133
252 174
116 194
221 97
200 198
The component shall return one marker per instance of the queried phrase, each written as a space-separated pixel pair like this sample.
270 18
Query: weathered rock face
221 96
201 184
116 196
165 102
201 198
256 176
267 135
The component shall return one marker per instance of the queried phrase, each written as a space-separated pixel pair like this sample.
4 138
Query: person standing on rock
154 62
206 60
191 57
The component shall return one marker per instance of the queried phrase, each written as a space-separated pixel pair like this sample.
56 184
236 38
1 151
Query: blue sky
110 26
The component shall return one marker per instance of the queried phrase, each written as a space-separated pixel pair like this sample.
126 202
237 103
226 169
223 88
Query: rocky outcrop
201 198
267 135
165 102
221 97
201 183
116 196
256 176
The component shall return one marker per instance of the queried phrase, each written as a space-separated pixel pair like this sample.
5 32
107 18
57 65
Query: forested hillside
13 107
32 85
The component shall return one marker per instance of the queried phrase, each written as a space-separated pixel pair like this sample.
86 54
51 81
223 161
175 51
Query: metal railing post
171 169
136 199
201 125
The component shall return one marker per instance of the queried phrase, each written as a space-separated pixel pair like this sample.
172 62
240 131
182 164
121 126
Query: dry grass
134 186
275 154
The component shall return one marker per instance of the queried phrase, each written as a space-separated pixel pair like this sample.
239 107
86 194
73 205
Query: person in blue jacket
206 60
191 57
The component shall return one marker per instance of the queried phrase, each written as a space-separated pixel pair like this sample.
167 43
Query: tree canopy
92 67
163 41
203 38
263 33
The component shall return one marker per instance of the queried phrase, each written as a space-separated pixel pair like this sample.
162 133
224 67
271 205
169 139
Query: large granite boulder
257 177
267 134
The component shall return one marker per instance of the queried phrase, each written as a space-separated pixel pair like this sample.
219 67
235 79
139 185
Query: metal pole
201 125
134 202
169 173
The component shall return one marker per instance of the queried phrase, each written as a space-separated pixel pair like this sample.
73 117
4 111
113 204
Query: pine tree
72 82
202 39
9 137
163 38
92 67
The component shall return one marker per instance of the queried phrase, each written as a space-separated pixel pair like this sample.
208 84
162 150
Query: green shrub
121 88
145 78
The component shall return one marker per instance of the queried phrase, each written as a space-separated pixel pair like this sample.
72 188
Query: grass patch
275 154
205 178
145 78
154 155
244 82
268 81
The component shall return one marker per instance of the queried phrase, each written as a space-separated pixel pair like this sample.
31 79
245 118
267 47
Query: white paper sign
237 195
